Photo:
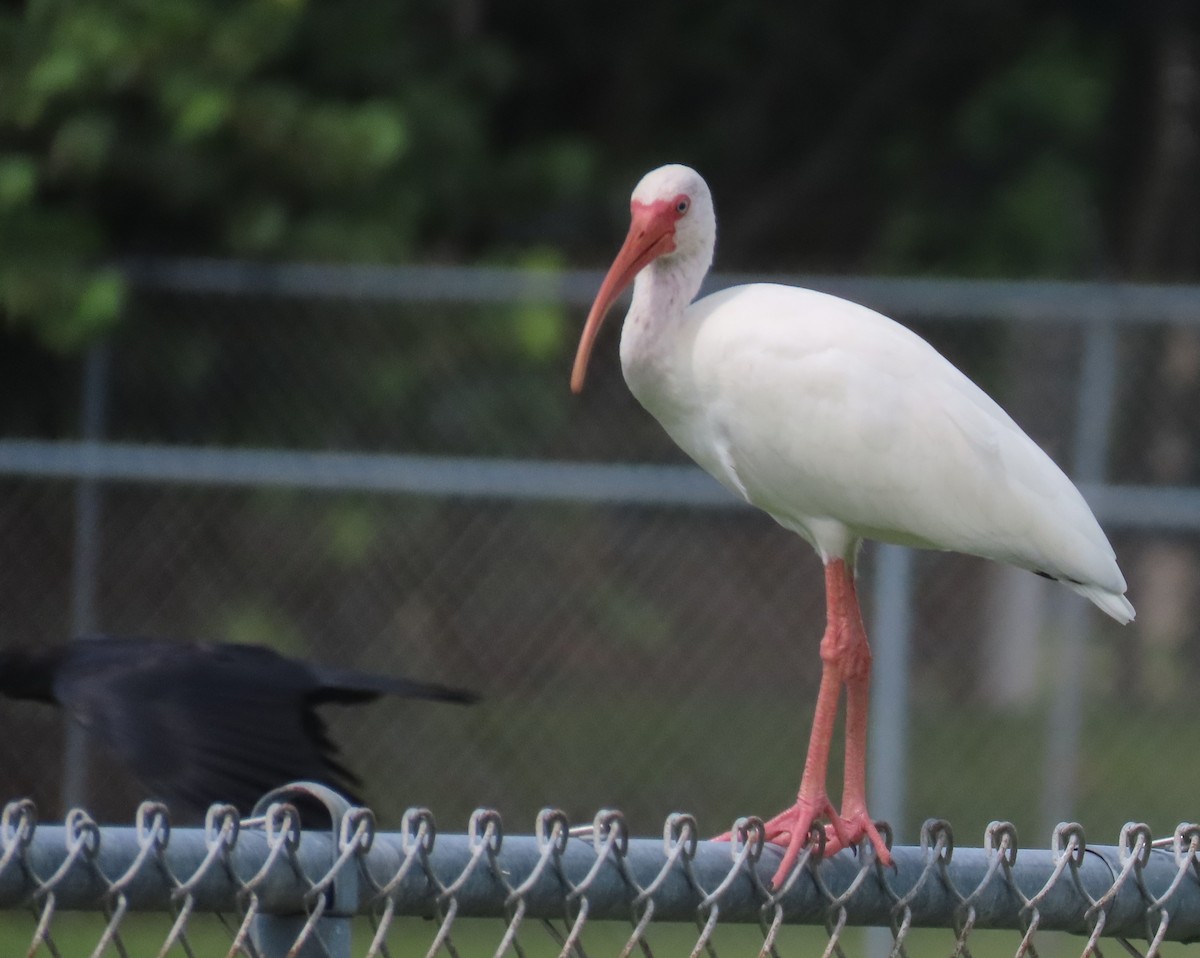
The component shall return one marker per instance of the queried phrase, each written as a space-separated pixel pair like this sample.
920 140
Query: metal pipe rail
1036 301
1125 506
297 890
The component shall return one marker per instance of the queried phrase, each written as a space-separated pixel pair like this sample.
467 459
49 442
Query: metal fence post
276 936
887 764
890 635
86 558
1093 421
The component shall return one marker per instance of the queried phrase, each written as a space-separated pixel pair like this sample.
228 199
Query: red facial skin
651 235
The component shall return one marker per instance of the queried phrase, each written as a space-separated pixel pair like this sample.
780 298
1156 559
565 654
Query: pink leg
846 658
855 820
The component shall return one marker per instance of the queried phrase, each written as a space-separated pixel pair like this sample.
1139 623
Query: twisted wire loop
1001 846
485 833
1076 848
963 918
751 832
680 838
221 824
418 830
810 855
1133 854
1003 839
356 834
1186 848
836 914
552 830
610 842
282 827
746 840
1067 846
1000 842
82 837
936 840
1096 915
153 827
18 823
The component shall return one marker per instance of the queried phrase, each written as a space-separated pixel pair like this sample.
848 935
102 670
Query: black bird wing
205 723
349 686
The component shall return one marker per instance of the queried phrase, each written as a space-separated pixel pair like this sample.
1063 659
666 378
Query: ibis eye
681 205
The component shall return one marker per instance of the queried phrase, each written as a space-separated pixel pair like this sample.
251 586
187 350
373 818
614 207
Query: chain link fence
280 891
386 469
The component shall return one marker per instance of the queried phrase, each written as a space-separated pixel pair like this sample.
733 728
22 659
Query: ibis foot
795 827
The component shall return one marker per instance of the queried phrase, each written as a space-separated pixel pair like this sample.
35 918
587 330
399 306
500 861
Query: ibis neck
656 331
660 296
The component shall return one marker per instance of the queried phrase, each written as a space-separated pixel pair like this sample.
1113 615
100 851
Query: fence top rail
636 484
1137 888
929 298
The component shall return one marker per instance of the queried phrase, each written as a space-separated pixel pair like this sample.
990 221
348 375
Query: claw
796 827
856 828
793 828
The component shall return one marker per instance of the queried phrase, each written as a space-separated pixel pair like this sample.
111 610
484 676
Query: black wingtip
464 697
338 685
437 693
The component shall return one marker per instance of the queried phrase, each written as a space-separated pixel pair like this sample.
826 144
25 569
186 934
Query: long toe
853 829
792 829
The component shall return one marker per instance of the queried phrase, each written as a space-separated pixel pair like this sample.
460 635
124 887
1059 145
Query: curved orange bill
651 233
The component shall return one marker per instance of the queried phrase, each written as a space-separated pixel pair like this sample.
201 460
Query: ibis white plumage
842 425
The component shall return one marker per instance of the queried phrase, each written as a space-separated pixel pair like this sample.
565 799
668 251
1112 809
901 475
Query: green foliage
352 532
256 624
263 128
967 141
1014 189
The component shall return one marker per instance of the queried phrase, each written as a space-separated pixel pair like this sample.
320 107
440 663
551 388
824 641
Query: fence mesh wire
639 657
281 891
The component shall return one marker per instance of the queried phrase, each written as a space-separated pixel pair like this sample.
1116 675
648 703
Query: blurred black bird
201 723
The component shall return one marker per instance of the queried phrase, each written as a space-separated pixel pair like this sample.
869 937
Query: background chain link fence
634 654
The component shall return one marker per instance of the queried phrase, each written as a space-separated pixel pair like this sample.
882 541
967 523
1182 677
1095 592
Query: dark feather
200 723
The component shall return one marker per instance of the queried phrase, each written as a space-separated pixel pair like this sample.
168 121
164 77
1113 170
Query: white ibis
842 425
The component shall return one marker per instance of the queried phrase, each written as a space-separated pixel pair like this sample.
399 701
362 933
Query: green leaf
69 306
259 227
59 71
256 623
82 144
18 181
100 302
353 530
380 130
541 330
204 112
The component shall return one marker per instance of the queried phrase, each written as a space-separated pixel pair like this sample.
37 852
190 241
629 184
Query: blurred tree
264 128
984 137
1160 241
